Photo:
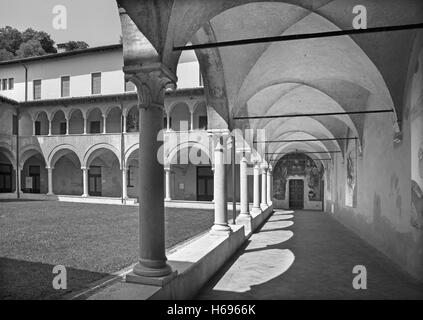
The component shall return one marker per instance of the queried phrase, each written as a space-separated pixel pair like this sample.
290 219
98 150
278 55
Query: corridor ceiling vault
334 74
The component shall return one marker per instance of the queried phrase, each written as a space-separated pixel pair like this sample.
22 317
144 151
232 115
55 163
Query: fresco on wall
417 196
297 165
351 188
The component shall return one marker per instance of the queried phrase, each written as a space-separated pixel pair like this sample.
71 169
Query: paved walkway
308 255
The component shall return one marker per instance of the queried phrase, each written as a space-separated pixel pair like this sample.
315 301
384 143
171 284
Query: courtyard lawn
91 240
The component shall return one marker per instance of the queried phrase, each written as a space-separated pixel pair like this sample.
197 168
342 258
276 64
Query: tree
74 45
6 55
44 38
10 39
30 48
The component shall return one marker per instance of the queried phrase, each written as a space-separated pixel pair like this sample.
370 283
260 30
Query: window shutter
96 83
65 87
37 89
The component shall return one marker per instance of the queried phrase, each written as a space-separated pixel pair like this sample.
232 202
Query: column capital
151 80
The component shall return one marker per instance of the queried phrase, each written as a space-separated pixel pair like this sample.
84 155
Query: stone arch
91 152
57 152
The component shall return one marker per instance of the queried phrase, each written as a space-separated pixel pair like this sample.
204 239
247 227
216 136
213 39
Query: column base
264 206
50 194
220 230
85 196
158 281
256 210
168 199
244 216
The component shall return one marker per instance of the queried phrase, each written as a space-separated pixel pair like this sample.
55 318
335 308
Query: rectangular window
62 127
65 86
129 86
37 89
96 83
95 127
37 128
15 125
202 122
4 81
11 83
130 177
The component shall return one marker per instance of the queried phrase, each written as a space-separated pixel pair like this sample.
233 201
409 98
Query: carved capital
152 81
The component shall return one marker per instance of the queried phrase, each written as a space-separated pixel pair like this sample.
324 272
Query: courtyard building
332 125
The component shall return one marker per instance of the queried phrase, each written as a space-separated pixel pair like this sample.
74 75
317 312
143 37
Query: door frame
207 178
95 176
289 193
3 175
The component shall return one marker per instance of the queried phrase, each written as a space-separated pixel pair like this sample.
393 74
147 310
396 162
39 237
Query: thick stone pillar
151 81
243 188
264 187
269 186
50 181
256 193
85 182
124 184
220 189
168 196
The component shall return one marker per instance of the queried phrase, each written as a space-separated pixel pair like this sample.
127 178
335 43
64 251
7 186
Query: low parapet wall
195 262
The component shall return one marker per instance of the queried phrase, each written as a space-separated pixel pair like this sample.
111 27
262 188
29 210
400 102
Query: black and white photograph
211 154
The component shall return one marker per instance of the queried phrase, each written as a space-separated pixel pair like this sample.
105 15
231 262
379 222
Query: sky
94 21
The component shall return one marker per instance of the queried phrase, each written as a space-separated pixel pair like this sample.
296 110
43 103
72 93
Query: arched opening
95 121
58 123
67 173
191 175
76 122
200 116
41 124
132 179
34 172
104 174
132 120
113 120
7 172
188 71
298 182
180 117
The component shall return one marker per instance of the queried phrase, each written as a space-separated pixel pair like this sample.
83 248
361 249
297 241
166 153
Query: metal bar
314 114
233 180
309 152
313 35
305 140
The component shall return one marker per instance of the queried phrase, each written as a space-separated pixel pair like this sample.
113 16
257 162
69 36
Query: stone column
167 122
85 182
269 186
264 187
256 199
67 126
104 123
191 120
49 127
124 184
85 125
167 181
151 81
124 124
50 181
220 226
33 127
19 184
243 187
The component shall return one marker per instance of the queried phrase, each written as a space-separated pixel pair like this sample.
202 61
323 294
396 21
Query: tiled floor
308 255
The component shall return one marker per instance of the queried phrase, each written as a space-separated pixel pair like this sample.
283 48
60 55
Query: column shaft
220 191
263 187
256 198
243 186
104 124
269 187
85 182
85 125
50 181
168 196
124 184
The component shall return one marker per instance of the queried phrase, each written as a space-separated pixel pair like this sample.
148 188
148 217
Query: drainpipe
18 182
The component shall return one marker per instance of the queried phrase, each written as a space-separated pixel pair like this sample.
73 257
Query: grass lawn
91 240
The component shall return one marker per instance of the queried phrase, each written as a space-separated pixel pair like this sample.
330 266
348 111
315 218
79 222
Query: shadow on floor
314 262
33 280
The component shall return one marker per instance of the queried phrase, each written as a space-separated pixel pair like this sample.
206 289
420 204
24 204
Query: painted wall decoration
297 165
351 187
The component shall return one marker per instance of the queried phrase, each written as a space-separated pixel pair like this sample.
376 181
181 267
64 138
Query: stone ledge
195 263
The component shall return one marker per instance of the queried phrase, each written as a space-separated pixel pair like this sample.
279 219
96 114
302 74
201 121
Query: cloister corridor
307 255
